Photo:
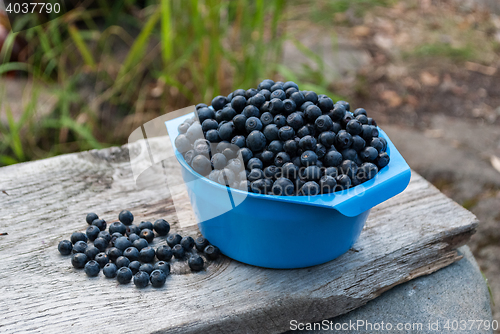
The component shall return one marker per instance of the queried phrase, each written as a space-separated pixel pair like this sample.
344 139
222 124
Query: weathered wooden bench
413 234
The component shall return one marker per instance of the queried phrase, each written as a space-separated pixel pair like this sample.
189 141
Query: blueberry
278 94
117 227
110 270
239 141
78 236
91 252
295 120
235 165
65 247
323 123
311 96
162 227
147 254
126 217
255 174
123 243
382 160
343 140
212 252
290 171
124 275
345 105
307 143
354 127
147 268
163 266
290 147
368 154
251 92
230 153
362 119
158 278
358 143
194 132
195 262
298 98
173 239
262 186
289 106
102 259
204 114
212 136
134 266
141 279
290 84
308 158
283 187
131 253
239 92
275 106
178 251
182 128
256 141
277 85
281 159
246 154
286 133
384 143
367 171
331 171
188 156
312 113
349 154
332 159
80 247
200 243
227 114
145 225
290 91
209 124
325 104
251 111
202 147
254 163
187 242
368 132
266 84
201 165
182 143
349 168
147 234
257 100
327 184
311 173
343 182
360 111
271 172
310 188
200 105
91 217
253 123
266 118
92 268
226 131
219 102
267 96
122 261
320 151
92 232
100 224
377 144
78 260
164 253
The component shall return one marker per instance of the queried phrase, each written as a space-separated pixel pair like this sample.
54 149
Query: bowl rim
388 182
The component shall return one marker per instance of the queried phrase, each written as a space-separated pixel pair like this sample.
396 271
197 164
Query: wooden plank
413 234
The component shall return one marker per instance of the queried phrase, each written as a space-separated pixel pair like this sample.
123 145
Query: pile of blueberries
279 140
124 250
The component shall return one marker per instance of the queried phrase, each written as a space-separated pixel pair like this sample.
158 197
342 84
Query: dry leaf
392 98
429 79
495 162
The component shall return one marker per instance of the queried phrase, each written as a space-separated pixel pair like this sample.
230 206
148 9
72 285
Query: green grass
446 51
193 50
323 11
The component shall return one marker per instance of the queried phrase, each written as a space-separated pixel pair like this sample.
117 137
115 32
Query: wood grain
412 234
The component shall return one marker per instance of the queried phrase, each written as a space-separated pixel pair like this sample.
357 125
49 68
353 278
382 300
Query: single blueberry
195 262
349 168
251 92
344 104
209 124
310 188
212 136
283 187
256 141
212 252
281 159
290 171
157 278
266 84
164 253
278 94
113 253
200 243
253 123
173 239
382 160
146 267
227 114
201 165
141 279
162 227
271 132
91 252
92 268
275 106
239 141
182 128
239 92
266 118
182 143
325 104
254 163
369 154
133 229
110 270
366 171
323 123
289 107
78 260
343 140
134 266
117 227
92 232
187 242
122 261
251 111
162 265
78 236
286 133
126 217
354 127
80 247
276 86
343 182
65 247
147 234
295 120
227 131
332 159
362 119
246 154
219 102
123 243
311 173
140 243
349 154
327 184
308 158
102 259
131 253
307 143
311 96
178 251
124 275
194 132
204 113
147 254
145 225
360 111
290 147
200 105
238 103
290 84
100 223
230 153
91 217
257 100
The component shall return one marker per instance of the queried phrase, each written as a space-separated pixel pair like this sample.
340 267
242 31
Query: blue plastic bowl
287 232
